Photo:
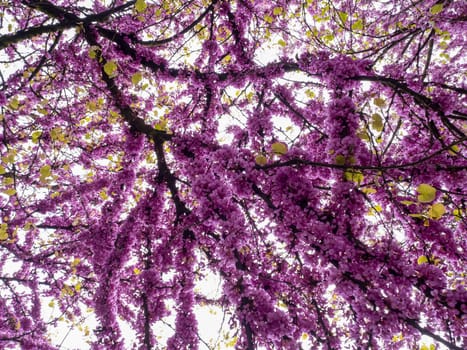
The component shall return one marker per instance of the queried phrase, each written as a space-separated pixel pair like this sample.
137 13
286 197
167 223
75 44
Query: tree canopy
308 156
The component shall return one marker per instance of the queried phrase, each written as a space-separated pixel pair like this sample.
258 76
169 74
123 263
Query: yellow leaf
435 9
422 260
231 343
378 208
78 287
140 6
436 211
426 192
10 192
380 102
45 171
343 16
36 135
363 135
110 67
261 159
3 232
279 148
8 181
136 271
340 159
103 194
353 175
358 25
14 104
268 19
457 213
56 134
92 53
368 190
282 43
2 170
407 202
277 11
67 290
454 150
136 78
377 122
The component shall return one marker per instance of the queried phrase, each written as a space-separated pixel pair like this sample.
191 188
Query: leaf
277 11
368 190
343 16
380 102
279 148
136 78
435 9
35 136
354 176
110 67
436 211
3 232
261 159
140 6
282 43
340 159
103 194
45 171
454 150
268 19
14 104
10 192
377 122
358 25
232 342
457 213
426 192
136 271
422 260
93 50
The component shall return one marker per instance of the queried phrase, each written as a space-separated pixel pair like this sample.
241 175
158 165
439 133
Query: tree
308 155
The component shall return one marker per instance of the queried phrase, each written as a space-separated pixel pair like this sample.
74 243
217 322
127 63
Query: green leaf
435 9
140 6
358 25
426 193
110 67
